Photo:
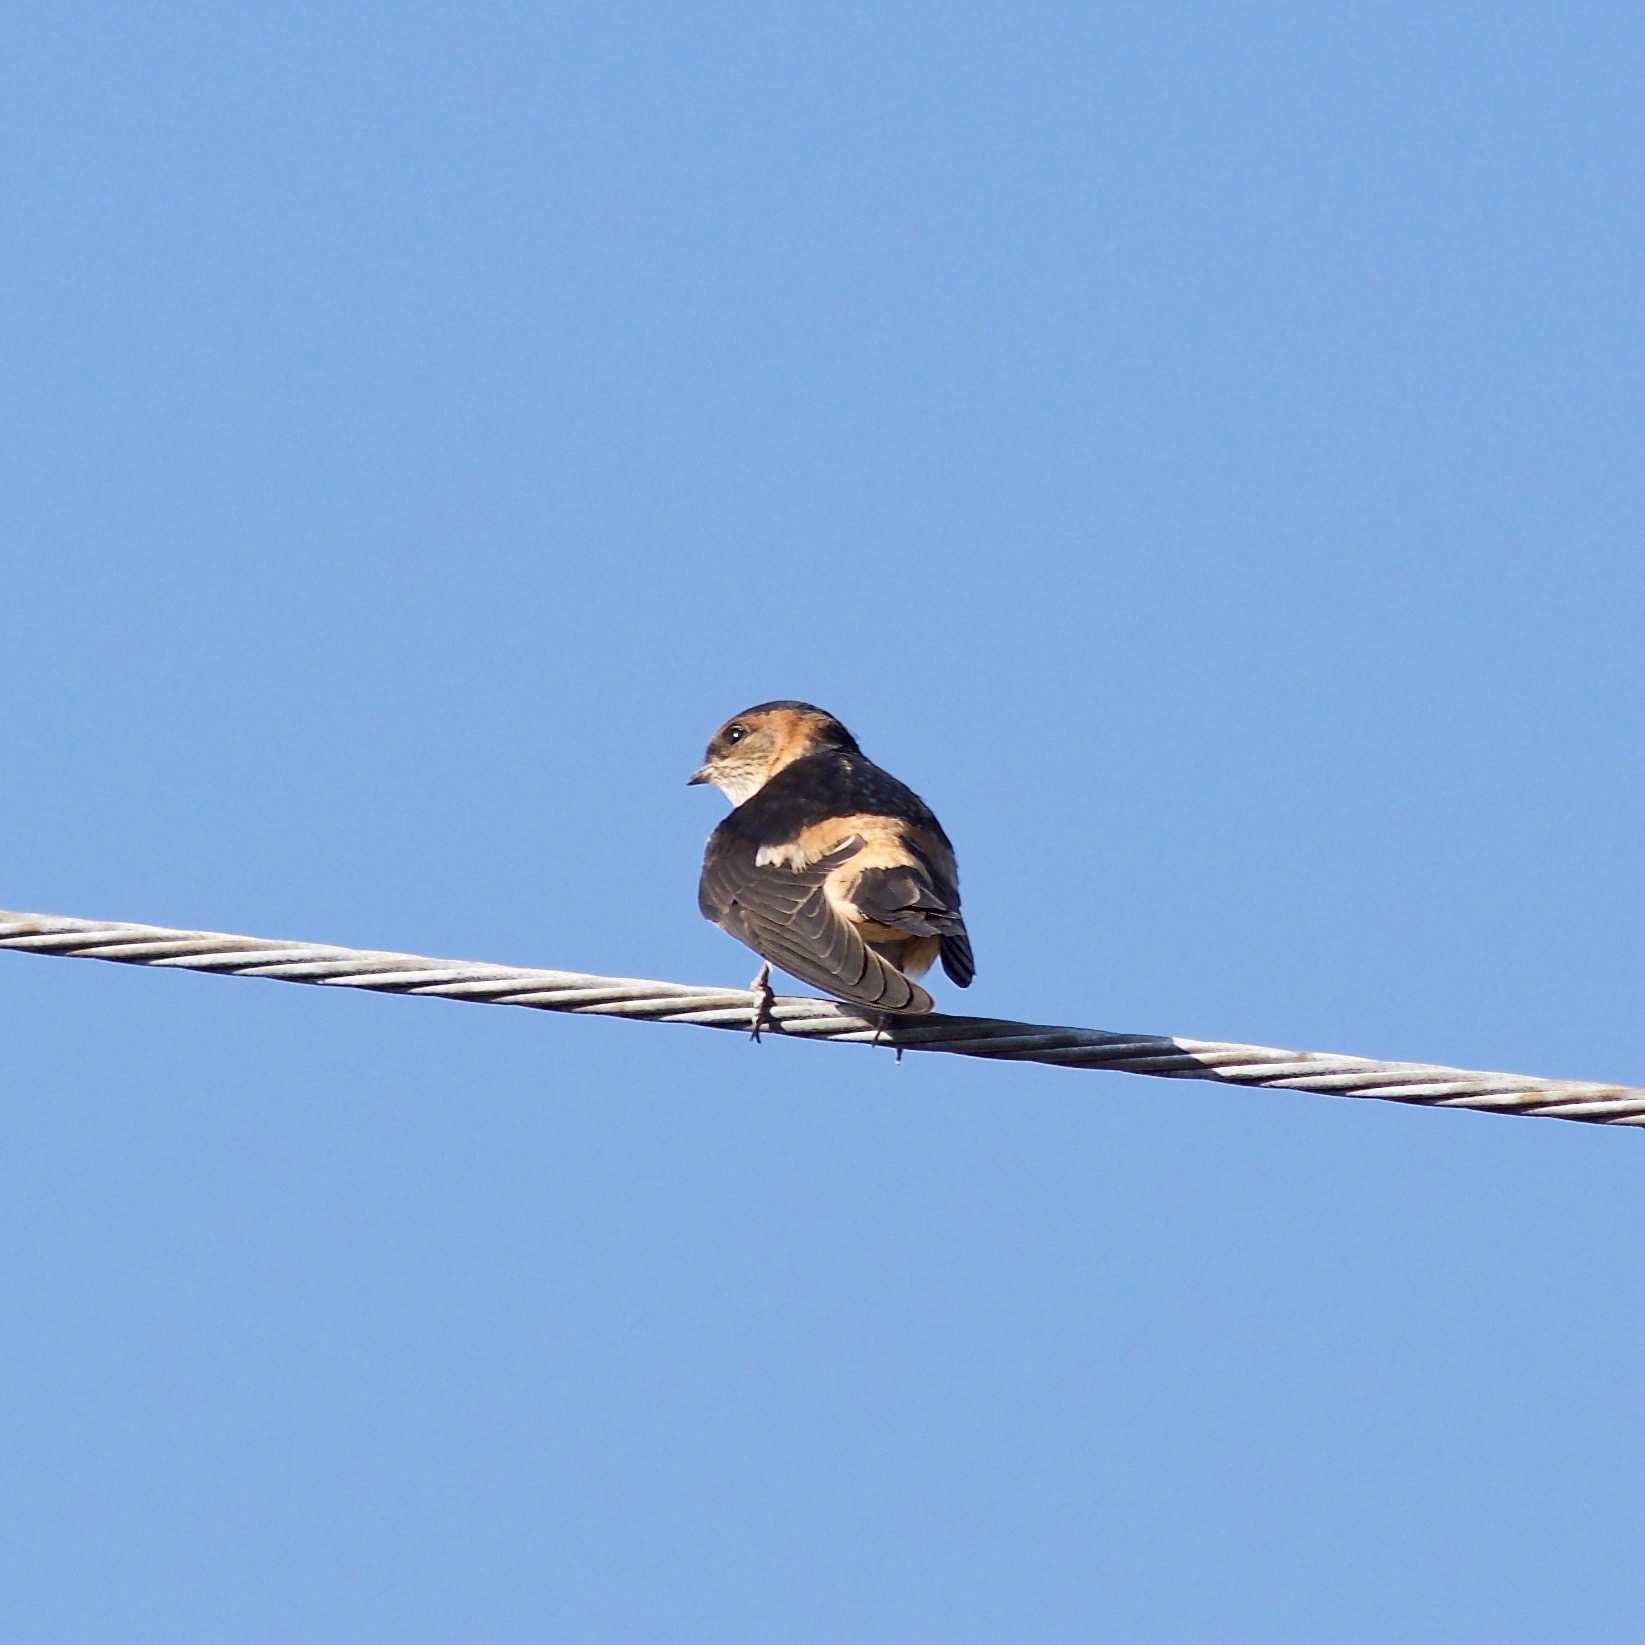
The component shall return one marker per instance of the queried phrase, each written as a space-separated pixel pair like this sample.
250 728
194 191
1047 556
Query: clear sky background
1198 447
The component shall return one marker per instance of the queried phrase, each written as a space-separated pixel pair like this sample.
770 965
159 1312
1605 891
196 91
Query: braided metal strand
574 991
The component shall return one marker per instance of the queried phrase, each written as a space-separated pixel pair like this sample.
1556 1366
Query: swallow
828 866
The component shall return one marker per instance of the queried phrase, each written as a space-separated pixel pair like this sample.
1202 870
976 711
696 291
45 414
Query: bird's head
752 747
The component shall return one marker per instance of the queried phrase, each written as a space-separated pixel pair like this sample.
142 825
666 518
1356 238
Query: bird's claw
882 1021
761 986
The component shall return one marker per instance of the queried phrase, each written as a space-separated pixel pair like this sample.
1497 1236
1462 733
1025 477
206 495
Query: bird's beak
700 775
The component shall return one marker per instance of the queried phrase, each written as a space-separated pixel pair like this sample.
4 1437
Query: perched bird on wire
828 867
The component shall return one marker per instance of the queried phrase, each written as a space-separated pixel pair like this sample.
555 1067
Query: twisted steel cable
641 998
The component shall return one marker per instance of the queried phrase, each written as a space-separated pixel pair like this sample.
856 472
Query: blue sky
1196 447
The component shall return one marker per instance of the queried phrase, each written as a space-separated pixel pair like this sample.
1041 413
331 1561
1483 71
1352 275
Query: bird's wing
910 898
785 915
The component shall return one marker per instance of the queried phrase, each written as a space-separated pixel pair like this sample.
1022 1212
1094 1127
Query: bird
828 866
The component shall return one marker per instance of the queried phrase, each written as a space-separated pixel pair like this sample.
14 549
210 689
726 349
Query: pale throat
739 784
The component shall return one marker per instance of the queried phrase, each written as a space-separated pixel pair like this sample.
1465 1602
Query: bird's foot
761 985
882 1021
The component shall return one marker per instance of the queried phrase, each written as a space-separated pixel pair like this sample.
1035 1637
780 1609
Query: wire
650 1001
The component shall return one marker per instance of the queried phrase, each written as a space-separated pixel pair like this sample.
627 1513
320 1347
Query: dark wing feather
784 915
908 899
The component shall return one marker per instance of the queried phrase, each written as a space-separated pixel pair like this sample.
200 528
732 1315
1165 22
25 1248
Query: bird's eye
735 733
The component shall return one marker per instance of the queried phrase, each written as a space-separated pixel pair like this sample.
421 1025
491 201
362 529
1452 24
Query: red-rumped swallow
828 867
